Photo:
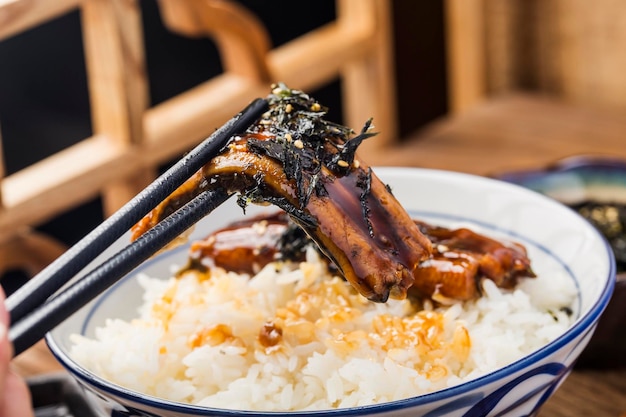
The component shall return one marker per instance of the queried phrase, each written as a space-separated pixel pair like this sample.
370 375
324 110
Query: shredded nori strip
293 242
348 150
304 142
365 184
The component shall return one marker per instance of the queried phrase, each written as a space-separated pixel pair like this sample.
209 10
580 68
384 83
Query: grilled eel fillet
307 166
461 258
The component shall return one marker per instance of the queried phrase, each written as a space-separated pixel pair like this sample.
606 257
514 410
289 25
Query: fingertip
21 402
6 350
4 314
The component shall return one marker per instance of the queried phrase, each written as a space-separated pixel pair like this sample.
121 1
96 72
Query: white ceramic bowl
555 236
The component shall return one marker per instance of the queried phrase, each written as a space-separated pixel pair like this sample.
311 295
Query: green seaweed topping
364 182
304 142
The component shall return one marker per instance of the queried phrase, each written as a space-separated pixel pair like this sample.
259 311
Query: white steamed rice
196 339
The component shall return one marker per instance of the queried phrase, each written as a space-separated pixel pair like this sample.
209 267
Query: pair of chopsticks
35 308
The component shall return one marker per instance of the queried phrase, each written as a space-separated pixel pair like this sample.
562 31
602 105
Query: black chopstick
27 331
42 286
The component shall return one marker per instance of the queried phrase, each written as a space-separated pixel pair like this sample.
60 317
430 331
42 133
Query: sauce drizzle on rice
294 337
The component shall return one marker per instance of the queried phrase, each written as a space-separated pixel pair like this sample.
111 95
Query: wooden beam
466 53
18 16
118 87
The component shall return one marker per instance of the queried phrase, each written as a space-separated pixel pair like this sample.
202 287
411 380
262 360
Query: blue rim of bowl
583 323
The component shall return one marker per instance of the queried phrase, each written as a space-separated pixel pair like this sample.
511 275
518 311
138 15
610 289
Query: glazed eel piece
461 258
293 158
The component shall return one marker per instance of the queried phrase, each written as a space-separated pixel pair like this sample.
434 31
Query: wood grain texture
569 48
589 393
466 49
512 132
118 86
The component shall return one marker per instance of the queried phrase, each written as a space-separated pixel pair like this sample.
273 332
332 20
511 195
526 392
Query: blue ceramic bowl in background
595 187
555 237
576 179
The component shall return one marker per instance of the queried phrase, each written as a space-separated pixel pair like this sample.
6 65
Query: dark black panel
44 104
420 62
176 63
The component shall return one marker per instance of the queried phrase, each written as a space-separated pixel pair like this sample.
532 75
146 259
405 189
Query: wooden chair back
131 139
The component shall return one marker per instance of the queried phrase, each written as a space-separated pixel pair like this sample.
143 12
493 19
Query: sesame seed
298 144
343 163
316 107
260 227
356 163
288 137
288 108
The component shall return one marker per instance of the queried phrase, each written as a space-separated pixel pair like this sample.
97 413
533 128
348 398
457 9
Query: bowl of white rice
159 345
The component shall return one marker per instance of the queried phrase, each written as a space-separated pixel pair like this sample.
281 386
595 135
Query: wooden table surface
495 138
